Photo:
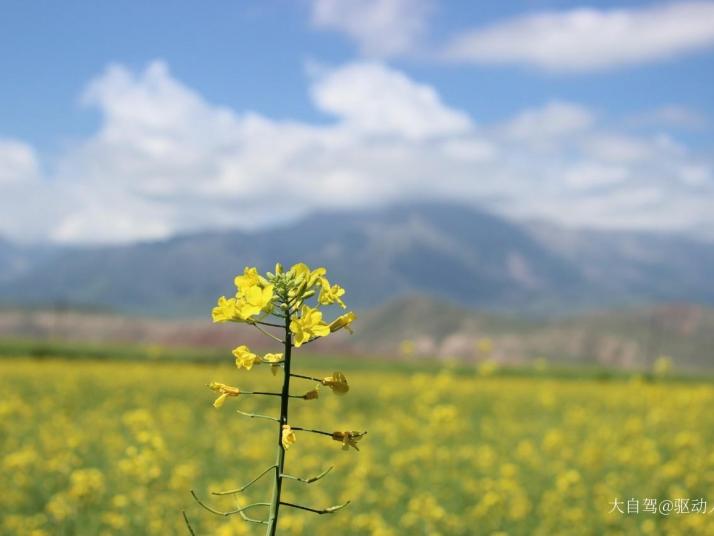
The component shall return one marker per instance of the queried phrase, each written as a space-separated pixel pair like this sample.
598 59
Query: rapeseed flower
275 360
288 436
224 390
330 294
254 300
348 439
308 325
337 382
225 310
303 274
250 278
343 321
245 358
284 295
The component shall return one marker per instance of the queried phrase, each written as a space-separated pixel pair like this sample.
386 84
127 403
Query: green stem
269 394
256 416
246 486
268 324
299 428
280 456
188 523
306 377
256 326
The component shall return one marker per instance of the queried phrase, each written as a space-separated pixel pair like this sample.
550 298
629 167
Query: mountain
635 267
16 259
632 337
452 252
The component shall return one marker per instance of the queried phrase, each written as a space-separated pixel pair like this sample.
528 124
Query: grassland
109 447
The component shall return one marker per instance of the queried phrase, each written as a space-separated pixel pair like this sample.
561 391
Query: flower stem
255 325
280 455
269 394
306 377
299 428
188 523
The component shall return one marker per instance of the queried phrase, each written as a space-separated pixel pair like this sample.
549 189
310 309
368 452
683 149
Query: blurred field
113 447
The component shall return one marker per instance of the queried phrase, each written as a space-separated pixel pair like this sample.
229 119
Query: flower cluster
290 301
274 294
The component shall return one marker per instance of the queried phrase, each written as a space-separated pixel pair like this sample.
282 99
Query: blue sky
588 115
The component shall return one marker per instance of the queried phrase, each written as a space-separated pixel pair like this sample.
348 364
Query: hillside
630 338
450 252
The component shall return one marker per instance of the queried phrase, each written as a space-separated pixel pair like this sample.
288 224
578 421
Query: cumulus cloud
373 99
167 161
27 202
620 147
380 27
589 39
18 162
671 115
586 175
552 121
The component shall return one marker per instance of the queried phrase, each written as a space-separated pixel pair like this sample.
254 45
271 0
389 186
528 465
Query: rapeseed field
113 448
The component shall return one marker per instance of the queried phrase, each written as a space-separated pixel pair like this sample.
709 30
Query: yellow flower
343 321
288 436
337 382
315 276
303 274
224 390
254 300
309 325
301 271
250 278
245 358
311 395
330 294
245 305
274 360
303 280
225 310
254 295
348 439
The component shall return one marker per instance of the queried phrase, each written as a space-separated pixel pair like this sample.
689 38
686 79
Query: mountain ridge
448 251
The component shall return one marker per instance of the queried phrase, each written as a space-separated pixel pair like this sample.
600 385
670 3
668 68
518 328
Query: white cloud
473 149
18 162
376 100
588 175
380 27
587 39
672 115
619 147
27 203
695 174
554 120
165 161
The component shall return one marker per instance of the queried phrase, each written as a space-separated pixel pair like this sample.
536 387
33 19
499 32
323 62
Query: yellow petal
220 401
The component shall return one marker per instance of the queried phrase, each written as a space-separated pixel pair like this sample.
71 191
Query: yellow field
93 448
